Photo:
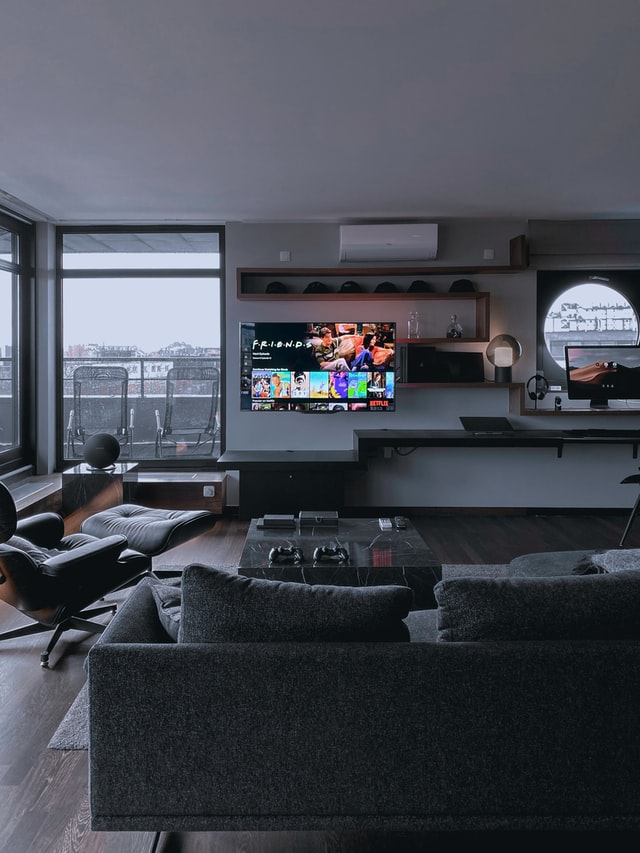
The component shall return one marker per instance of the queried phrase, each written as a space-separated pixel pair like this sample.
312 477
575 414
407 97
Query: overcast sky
5 309
146 313
588 295
149 314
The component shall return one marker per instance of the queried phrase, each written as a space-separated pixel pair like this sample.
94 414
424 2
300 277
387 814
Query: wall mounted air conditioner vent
388 242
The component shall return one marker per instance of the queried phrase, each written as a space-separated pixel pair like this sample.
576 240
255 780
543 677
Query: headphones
540 386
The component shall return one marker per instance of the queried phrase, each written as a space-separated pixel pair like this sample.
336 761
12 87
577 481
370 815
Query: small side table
87 490
177 490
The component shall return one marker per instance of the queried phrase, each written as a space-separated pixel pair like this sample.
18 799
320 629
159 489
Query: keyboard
602 433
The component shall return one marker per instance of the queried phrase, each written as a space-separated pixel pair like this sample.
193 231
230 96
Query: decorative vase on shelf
454 329
413 326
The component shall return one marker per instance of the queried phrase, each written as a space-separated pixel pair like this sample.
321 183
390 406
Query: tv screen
602 373
317 367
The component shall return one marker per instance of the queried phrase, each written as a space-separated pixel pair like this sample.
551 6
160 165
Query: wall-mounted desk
286 481
372 439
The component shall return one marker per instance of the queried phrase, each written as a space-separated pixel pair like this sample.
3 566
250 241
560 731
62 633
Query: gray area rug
73 731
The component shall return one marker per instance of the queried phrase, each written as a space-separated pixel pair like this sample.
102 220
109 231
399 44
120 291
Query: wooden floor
43 793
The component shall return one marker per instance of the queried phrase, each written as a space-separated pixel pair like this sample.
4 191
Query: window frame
191 462
23 453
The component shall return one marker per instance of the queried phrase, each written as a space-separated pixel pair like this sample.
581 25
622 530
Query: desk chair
635 480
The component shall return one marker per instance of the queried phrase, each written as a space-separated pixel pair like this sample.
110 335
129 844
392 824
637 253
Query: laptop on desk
487 426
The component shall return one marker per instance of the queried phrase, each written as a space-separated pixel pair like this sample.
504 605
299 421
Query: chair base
79 622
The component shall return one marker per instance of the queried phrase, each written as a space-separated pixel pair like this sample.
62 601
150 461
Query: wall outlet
208 491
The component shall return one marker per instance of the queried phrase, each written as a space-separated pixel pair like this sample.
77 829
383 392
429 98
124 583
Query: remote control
401 522
385 524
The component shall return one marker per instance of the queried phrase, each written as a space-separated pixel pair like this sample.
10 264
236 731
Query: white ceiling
320 110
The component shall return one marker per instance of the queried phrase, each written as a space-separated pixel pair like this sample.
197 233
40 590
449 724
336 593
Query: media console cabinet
295 477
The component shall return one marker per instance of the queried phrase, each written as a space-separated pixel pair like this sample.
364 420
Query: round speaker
101 450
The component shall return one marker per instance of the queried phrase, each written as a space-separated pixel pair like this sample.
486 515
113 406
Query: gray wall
586 476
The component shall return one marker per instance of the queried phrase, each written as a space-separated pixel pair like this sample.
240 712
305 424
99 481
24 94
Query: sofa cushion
168 599
552 563
597 606
422 626
616 560
221 607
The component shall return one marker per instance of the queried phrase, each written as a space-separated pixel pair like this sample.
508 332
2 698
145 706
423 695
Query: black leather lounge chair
53 578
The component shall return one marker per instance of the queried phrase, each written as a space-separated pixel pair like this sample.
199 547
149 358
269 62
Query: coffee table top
363 540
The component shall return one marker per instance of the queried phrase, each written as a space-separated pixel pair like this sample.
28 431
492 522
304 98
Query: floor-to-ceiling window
141 342
16 249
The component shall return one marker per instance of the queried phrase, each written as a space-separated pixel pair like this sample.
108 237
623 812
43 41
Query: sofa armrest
72 564
137 619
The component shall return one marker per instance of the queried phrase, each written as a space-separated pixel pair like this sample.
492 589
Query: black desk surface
282 460
365 440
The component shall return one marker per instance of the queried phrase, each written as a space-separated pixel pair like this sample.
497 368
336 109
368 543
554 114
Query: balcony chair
100 404
191 410
53 578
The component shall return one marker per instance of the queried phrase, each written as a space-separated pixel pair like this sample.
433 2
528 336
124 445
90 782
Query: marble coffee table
373 557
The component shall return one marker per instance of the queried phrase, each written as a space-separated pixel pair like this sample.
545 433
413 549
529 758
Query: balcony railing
146 394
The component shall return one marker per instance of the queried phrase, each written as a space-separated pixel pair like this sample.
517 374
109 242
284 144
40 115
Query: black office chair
100 405
191 410
633 479
53 578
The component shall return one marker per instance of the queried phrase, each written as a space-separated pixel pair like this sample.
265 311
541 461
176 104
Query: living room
278 124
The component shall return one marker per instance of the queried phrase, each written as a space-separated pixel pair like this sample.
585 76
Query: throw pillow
617 560
587 607
168 599
221 607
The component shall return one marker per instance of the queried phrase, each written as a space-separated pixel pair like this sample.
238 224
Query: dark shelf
251 281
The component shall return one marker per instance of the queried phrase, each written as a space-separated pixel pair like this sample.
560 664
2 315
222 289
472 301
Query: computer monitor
602 373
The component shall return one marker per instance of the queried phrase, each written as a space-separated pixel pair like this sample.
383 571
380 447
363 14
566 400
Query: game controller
279 552
324 552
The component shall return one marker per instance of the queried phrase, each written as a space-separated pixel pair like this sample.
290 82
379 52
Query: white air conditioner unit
388 242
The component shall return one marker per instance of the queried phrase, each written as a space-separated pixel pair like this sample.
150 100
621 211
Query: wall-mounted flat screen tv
317 367
602 373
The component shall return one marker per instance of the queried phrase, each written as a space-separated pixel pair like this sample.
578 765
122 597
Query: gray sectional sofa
514 705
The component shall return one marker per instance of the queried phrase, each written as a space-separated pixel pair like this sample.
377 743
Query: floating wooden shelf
252 281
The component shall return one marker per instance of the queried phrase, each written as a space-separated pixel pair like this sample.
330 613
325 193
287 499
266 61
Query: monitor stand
599 404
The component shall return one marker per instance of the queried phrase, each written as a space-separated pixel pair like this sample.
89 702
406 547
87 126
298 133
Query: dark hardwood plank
481 538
